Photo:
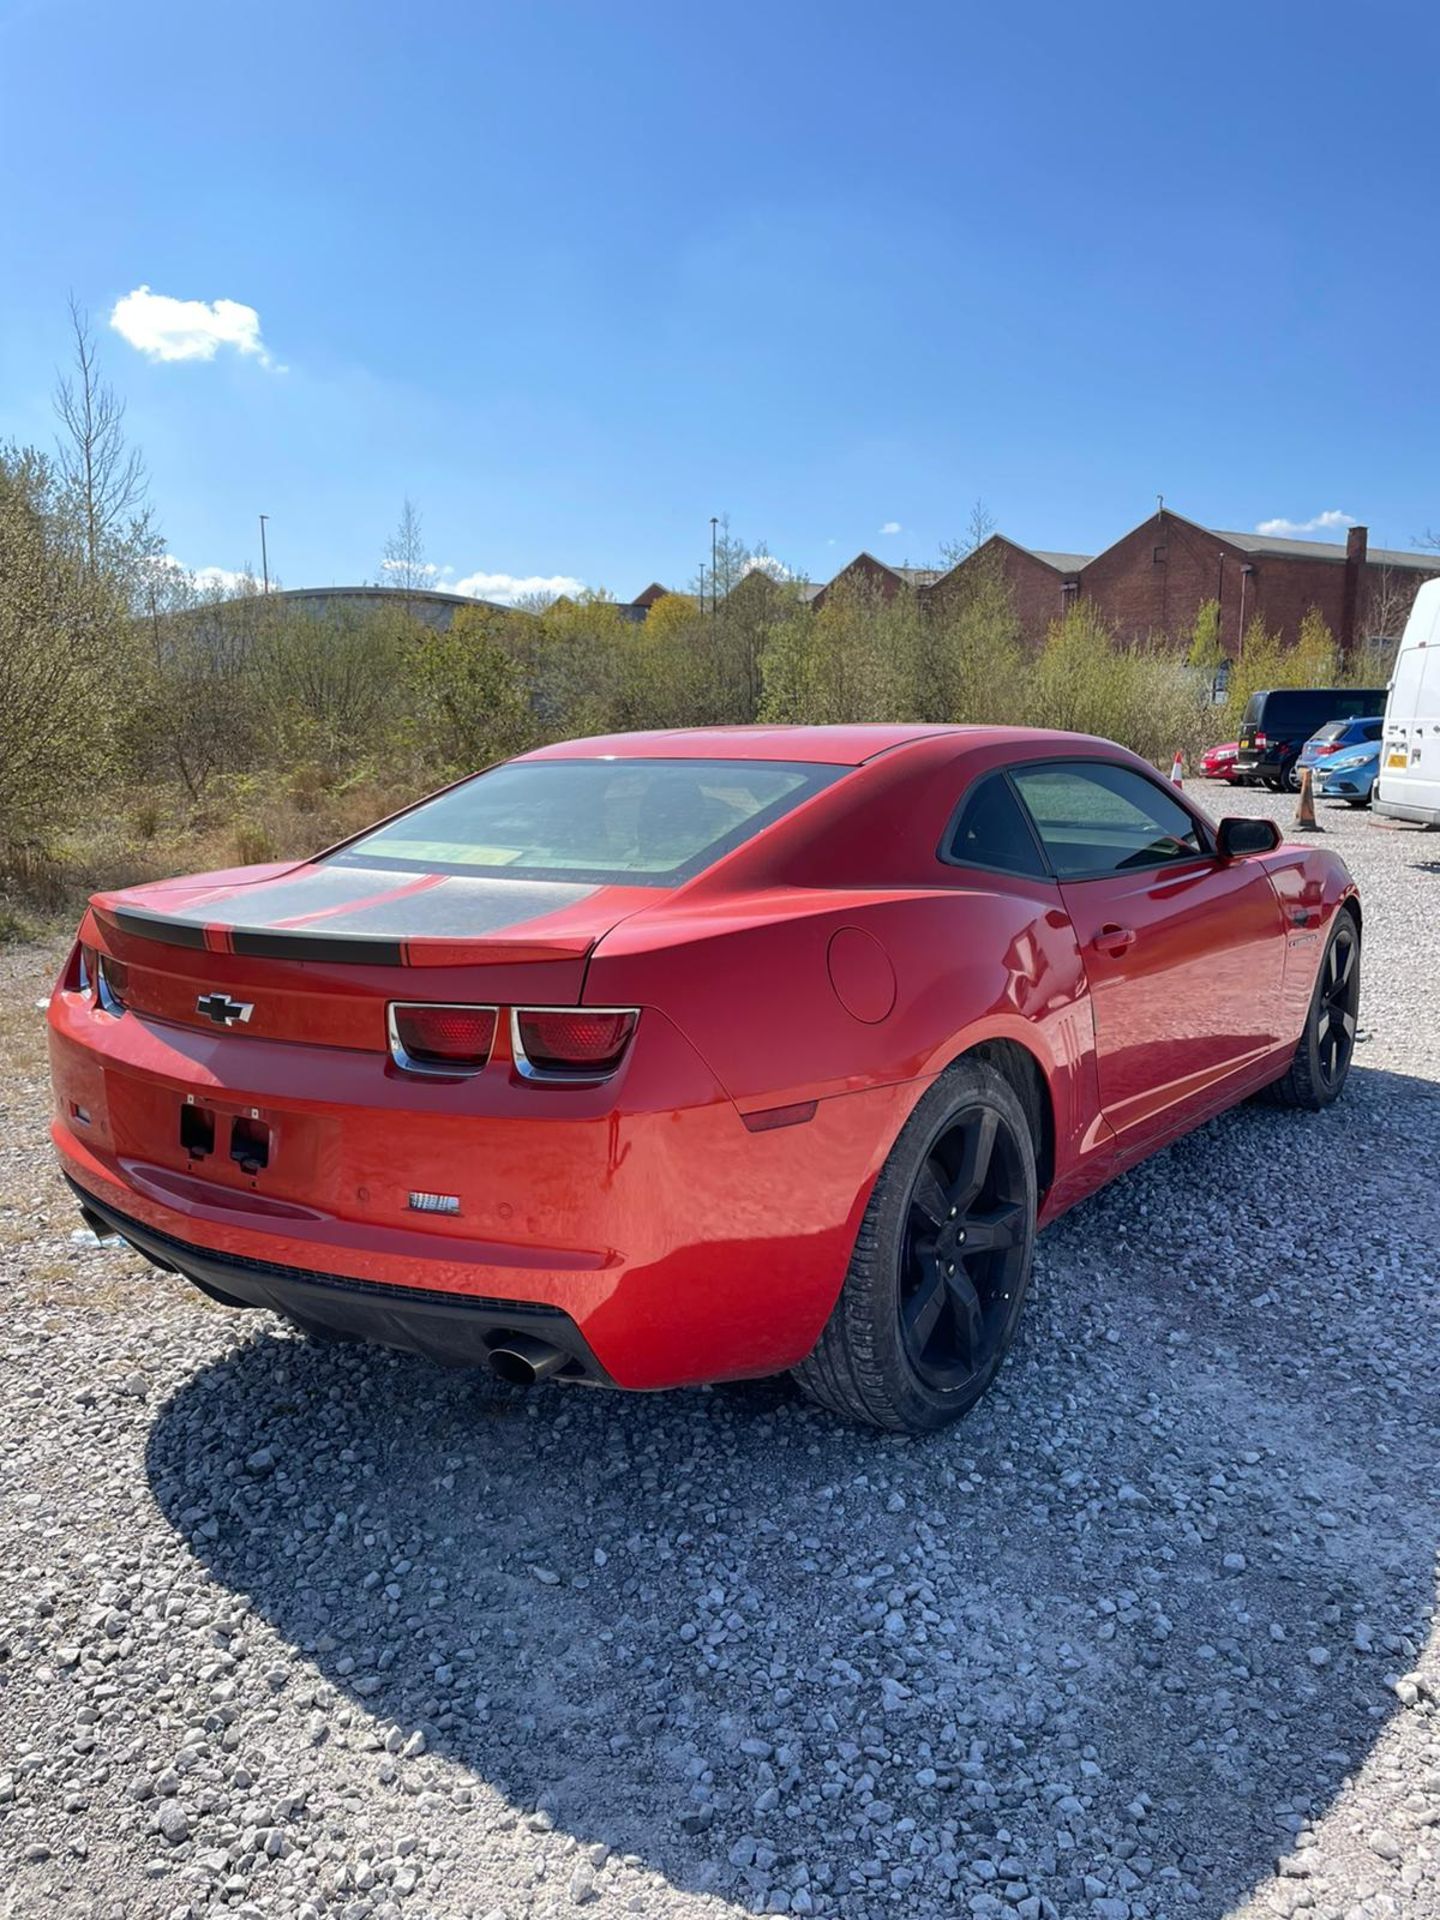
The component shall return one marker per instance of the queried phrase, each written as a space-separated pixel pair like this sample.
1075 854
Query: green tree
857 659
63 628
467 704
1205 652
1085 681
571 662
972 661
102 476
1315 660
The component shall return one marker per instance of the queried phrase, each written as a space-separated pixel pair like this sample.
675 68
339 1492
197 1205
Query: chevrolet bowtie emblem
224 1011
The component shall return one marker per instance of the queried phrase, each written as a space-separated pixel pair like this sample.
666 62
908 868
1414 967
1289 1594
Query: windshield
636 822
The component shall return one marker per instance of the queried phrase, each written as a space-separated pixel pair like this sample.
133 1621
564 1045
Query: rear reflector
571 1043
426 1037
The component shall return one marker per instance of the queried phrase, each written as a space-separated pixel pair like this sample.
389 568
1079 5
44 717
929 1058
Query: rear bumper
456 1329
1401 810
678 1244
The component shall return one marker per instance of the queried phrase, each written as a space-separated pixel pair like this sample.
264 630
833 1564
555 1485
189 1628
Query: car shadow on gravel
1122 1635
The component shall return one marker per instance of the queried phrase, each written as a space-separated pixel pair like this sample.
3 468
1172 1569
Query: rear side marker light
769 1118
571 1043
427 1036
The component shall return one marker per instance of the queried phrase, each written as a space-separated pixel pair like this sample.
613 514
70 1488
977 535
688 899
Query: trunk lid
315 951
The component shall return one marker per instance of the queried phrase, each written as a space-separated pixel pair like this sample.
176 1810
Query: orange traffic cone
1305 821
1177 770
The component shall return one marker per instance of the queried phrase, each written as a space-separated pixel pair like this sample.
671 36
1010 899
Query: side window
1372 730
1094 819
992 831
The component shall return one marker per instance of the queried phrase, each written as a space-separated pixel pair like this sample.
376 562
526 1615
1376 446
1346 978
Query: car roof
836 746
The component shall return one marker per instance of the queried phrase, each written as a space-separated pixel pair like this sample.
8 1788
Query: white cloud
427 567
767 563
208 578
509 587
205 579
1331 521
163 328
891 526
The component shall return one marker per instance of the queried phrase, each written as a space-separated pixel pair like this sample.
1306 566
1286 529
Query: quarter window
992 831
1094 818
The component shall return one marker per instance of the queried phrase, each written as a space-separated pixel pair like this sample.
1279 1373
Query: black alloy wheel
964 1251
941 1263
1338 1005
1321 1062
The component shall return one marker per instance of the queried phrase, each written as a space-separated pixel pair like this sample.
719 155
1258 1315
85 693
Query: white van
1408 786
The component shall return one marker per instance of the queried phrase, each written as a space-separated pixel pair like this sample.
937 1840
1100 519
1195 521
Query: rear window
636 822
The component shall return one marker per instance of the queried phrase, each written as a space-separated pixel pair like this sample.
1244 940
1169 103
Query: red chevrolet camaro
675 1057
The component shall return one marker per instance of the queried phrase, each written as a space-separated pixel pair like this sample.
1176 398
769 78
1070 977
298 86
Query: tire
917 1336
1289 781
1270 783
1321 1065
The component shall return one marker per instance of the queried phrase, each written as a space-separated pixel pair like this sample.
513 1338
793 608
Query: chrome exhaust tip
521 1359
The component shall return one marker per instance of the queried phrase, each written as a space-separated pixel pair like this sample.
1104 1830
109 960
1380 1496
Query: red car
1218 763
676 1057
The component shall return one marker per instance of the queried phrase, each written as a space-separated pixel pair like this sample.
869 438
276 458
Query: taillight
112 983
1262 740
102 979
571 1043
426 1037
1331 749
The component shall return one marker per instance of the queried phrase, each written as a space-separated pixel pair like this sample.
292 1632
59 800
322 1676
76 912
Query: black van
1276 725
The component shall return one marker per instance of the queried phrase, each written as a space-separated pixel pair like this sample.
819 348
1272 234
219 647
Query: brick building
1040 583
1155 579
865 571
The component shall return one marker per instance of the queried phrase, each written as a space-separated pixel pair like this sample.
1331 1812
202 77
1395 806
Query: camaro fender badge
224 1011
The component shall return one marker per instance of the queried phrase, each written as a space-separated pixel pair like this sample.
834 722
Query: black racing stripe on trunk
458 909
148 926
262 902
318 946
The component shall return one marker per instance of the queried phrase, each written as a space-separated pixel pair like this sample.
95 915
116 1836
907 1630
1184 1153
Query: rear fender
1311 884
760 989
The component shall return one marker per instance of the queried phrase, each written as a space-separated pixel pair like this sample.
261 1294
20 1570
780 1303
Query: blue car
1335 738
1348 775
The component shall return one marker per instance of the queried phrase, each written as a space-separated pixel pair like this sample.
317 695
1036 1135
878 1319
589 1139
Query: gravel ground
292 1630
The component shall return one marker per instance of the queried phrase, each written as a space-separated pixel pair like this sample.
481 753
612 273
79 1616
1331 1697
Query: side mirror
1241 833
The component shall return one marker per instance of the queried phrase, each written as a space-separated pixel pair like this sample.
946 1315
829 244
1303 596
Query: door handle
1114 940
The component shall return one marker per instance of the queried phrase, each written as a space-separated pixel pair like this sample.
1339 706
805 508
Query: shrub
254 845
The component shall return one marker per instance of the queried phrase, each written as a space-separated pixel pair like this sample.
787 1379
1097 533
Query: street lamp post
264 556
714 542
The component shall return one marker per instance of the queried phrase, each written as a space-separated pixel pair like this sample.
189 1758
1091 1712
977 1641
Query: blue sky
577 276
